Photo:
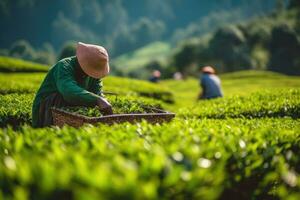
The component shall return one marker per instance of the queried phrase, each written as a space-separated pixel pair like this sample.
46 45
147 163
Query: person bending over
73 81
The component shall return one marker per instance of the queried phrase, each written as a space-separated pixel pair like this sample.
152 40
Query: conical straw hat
93 59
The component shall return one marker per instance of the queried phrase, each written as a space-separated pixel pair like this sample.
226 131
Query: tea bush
20 82
271 103
85 111
185 159
134 105
29 83
8 64
142 88
254 74
237 147
119 106
15 109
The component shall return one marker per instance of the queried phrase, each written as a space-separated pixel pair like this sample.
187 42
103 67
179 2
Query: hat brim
90 62
86 60
97 74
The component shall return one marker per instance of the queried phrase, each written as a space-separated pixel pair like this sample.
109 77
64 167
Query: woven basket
62 117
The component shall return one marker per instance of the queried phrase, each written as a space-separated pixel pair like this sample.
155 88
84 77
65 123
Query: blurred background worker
155 76
210 84
177 76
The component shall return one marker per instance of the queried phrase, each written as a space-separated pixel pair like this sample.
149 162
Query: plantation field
239 83
12 65
138 59
29 83
243 146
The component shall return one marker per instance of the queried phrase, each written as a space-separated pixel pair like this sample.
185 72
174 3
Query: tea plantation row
186 159
269 103
242 83
29 83
12 65
238 147
16 109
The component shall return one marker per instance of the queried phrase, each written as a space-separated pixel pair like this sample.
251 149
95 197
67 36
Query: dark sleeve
202 83
68 88
96 86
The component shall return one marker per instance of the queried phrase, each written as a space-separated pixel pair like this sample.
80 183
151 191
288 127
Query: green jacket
68 79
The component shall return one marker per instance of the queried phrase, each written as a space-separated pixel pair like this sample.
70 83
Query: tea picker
74 81
210 84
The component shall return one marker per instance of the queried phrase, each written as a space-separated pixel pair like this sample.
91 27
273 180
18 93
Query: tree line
265 43
120 25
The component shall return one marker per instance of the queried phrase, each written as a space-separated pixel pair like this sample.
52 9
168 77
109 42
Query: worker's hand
104 106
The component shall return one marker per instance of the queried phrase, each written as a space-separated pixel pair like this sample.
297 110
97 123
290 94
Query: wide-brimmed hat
208 69
93 59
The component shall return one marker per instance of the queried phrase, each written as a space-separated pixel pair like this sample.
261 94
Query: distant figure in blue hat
210 84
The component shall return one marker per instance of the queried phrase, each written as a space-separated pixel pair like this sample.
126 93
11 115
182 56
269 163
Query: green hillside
241 83
269 42
243 145
8 65
134 63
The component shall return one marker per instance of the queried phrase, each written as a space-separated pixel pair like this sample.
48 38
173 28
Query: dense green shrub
185 159
254 75
20 82
86 111
124 86
8 64
134 105
119 106
138 87
15 109
192 157
29 83
272 103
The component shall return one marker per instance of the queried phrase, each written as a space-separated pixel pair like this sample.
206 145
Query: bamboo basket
62 117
